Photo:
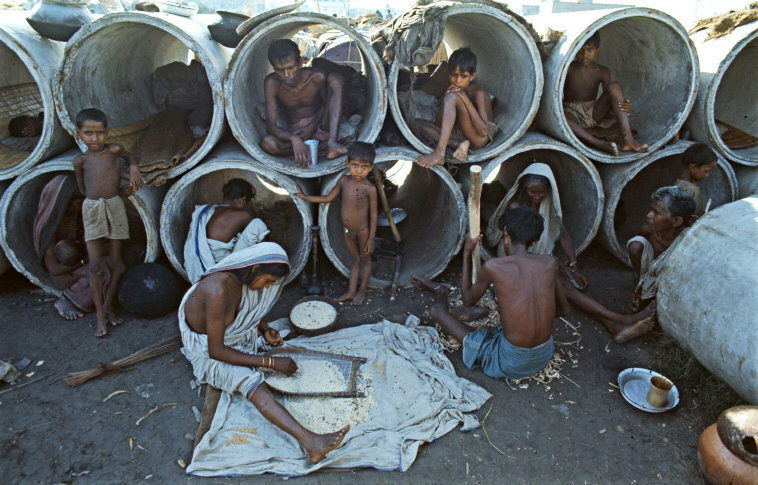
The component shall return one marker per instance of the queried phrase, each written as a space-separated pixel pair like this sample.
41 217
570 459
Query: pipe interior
20 223
249 99
19 96
111 71
504 67
634 203
430 230
737 97
272 204
653 64
576 189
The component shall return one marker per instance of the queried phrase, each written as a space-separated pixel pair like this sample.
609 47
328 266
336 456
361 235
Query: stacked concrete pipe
728 67
647 51
709 304
244 89
436 217
508 66
579 185
27 57
107 64
203 185
747 180
631 186
18 208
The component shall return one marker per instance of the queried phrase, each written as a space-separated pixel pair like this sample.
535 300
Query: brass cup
658 395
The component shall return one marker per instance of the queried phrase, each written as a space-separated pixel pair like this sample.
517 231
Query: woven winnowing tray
347 364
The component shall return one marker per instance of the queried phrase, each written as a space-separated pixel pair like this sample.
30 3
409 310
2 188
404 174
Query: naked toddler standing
98 176
359 215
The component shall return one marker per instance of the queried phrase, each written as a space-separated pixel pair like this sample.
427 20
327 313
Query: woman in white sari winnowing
220 320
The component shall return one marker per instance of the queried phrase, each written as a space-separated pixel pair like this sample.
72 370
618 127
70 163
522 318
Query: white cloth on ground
650 266
242 333
550 210
200 252
419 398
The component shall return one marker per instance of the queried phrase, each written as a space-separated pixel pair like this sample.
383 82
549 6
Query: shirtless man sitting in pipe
310 101
585 110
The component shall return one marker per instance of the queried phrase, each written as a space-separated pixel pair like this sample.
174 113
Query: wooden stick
474 209
385 204
212 396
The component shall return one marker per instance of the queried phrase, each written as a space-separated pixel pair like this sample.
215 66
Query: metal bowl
634 384
311 332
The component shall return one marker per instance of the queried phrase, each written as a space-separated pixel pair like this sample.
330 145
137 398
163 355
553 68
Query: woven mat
10 157
19 99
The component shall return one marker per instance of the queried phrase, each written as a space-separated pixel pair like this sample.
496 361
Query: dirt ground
577 429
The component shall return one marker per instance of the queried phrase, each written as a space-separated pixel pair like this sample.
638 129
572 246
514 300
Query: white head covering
550 210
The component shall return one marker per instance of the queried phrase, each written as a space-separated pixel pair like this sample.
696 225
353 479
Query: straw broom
77 378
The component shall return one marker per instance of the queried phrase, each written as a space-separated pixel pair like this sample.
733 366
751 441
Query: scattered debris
131 444
30 374
156 408
25 384
197 413
22 363
181 463
40 362
8 372
602 431
141 390
114 393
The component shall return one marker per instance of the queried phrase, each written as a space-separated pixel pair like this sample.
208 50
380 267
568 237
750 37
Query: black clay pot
224 31
59 19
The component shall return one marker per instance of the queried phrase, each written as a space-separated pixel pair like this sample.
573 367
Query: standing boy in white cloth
219 321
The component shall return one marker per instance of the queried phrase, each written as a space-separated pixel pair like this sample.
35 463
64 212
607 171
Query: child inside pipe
98 175
359 215
310 100
585 111
464 117
219 230
24 132
698 161
529 297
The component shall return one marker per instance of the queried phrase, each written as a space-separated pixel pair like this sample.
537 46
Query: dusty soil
577 430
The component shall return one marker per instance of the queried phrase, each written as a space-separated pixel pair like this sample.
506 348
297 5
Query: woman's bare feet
359 298
431 159
101 327
67 310
113 319
324 443
346 296
335 150
633 146
461 153
635 330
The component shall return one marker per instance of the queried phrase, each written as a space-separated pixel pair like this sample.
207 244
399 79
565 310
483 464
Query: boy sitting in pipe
98 175
671 210
219 230
585 110
310 101
698 161
359 214
464 118
529 297
24 132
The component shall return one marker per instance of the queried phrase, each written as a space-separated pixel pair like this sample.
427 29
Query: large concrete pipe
728 67
647 51
708 294
579 186
747 180
4 263
628 189
434 228
29 62
107 65
273 203
508 66
18 208
244 89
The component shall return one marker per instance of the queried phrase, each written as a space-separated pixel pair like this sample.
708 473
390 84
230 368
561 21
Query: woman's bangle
572 264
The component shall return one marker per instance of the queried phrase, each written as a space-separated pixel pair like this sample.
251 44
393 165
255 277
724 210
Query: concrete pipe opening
628 189
109 65
747 180
19 206
245 98
287 217
579 187
508 67
647 52
29 62
726 111
432 232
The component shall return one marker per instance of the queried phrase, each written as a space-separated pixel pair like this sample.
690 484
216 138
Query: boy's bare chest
355 193
299 96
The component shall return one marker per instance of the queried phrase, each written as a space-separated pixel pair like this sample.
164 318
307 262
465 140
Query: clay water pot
59 19
224 30
718 462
